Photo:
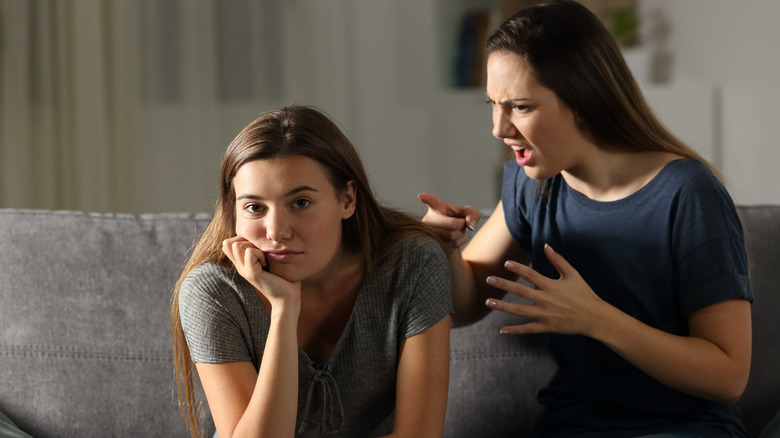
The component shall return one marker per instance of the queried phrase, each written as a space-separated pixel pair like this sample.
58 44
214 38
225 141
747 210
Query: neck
341 277
610 174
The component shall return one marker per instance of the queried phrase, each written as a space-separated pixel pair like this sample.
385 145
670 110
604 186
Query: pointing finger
469 214
437 204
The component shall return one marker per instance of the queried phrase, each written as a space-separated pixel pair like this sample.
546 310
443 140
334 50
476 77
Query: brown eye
301 203
253 208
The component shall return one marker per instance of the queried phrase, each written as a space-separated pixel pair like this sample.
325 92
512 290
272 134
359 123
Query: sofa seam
143 217
82 353
480 355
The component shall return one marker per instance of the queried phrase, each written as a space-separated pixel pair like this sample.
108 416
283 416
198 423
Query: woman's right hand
450 222
249 262
245 401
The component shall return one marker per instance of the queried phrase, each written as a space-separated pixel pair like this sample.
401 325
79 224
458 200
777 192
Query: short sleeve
212 317
711 257
428 283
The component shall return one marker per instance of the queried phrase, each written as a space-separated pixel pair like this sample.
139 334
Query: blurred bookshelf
466 24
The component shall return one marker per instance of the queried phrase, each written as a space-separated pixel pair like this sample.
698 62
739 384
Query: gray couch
85 345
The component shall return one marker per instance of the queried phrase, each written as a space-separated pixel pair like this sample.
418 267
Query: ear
580 124
349 200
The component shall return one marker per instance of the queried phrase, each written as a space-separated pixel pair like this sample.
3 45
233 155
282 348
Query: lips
522 155
281 255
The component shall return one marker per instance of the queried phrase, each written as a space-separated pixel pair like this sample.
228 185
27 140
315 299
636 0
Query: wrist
610 321
285 309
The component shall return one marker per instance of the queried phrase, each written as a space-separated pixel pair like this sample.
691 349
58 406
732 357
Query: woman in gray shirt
307 307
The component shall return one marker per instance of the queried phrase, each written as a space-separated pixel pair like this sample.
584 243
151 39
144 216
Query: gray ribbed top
353 392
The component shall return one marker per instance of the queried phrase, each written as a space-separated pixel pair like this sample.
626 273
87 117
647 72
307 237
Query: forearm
693 364
467 302
422 383
470 290
272 410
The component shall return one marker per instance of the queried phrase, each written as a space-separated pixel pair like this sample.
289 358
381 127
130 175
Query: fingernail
490 303
472 225
549 247
491 281
503 332
509 265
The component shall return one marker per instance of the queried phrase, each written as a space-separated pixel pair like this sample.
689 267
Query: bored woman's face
288 208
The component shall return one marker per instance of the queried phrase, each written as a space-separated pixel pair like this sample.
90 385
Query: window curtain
126 106
65 68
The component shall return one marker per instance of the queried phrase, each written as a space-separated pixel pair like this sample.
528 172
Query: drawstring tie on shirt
332 417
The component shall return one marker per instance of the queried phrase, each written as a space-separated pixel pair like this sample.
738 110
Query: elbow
467 317
728 399
730 390
734 388
731 394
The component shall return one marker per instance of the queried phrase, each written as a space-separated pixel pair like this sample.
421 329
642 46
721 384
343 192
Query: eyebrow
290 193
508 101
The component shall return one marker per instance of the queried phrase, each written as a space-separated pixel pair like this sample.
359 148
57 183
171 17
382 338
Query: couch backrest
85 345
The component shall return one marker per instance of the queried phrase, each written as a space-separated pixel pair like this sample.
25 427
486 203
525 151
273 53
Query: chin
534 173
538 174
286 272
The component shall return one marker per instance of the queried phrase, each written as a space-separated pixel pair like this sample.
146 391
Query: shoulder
206 277
415 281
420 248
413 256
701 209
218 312
207 285
695 187
689 176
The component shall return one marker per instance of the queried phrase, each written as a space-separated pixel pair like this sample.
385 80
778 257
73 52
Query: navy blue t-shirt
660 254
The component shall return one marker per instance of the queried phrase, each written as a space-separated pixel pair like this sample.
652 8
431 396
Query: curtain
66 67
126 106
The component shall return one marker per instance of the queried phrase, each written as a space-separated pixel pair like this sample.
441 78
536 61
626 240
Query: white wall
733 45
415 135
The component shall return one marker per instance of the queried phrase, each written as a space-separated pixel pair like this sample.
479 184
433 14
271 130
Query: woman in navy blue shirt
639 270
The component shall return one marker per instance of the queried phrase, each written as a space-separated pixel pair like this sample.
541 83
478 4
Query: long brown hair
372 231
572 53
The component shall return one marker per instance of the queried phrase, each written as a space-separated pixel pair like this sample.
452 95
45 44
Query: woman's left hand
565 306
712 363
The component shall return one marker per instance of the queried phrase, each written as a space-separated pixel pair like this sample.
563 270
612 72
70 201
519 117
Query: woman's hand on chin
250 263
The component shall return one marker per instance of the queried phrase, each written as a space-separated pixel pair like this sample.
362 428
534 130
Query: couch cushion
494 379
762 238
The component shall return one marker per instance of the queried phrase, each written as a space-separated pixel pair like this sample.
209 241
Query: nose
277 226
502 125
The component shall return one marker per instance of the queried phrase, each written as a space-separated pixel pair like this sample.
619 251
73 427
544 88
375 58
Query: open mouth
522 155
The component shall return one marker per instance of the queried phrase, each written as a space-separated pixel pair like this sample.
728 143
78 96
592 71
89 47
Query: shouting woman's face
531 119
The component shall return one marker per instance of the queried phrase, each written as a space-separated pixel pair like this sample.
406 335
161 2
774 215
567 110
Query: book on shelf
469 65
